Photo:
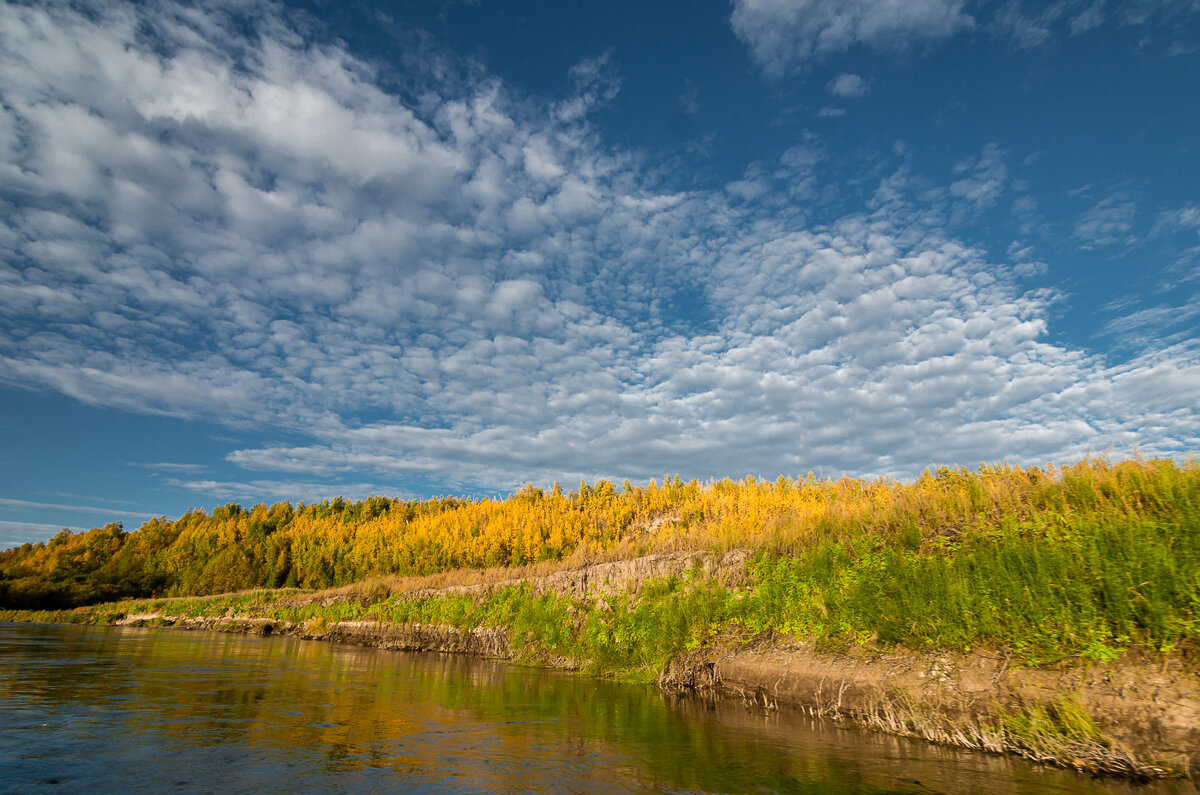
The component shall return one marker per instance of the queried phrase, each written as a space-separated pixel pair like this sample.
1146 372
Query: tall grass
1084 590
1045 562
339 543
1100 588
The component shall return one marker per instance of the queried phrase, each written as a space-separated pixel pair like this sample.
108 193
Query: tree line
338 542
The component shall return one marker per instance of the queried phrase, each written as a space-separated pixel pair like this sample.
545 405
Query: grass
1043 591
1089 593
1085 562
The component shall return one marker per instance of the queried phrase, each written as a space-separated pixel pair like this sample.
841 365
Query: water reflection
106 708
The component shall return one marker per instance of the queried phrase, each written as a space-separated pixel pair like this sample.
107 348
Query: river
89 709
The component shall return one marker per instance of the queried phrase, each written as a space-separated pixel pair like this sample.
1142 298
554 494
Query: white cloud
848 86
1088 19
1186 217
15 533
1183 226
1140 12
471 287
1152 325
268 491
167 466
689 101
981 180
596 84
11 503
1107 223
1026 31
784 35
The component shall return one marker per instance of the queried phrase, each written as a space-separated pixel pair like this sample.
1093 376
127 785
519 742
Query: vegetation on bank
1044 562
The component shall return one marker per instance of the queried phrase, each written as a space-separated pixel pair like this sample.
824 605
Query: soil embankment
1140 715
1147 712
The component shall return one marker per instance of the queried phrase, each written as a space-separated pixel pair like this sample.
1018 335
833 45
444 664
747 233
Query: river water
89 709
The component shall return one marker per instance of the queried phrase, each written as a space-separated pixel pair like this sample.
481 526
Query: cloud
785 35
1181 218
1156 19
1151 325
166 466
1142 12
981 180
1182 227
237 223
831 113
689 101
1029 31
596 84
1107 223
278 491
11 503
13 534
1088 19
848 86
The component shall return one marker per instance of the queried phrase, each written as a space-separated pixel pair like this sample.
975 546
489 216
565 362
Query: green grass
1085 593
1044 589
1084 590
1047 728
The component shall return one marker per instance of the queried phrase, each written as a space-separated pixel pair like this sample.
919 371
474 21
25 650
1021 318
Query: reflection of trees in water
463 722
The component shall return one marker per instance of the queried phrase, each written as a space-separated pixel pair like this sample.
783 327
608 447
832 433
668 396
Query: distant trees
339 541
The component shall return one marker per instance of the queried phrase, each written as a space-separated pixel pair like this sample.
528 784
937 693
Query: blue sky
258 251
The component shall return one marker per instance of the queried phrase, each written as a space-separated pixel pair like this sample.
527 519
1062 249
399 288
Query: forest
940 516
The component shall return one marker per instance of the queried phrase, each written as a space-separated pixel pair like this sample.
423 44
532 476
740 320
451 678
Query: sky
255 251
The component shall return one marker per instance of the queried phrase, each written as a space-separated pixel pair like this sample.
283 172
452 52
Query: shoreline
1049 612
1144 715
1136 715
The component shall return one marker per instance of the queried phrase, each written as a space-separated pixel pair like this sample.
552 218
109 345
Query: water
109 709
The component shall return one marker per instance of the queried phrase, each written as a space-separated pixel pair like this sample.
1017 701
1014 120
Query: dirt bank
1146 711
591 581
481 641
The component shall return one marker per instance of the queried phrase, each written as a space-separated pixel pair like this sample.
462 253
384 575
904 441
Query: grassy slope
1041 589
1081 563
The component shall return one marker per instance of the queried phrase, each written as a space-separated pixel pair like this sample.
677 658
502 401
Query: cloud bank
216 217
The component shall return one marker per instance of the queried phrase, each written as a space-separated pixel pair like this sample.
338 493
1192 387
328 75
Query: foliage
1083 590
1098 559
1080 560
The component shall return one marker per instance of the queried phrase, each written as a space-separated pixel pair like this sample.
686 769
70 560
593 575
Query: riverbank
1135 714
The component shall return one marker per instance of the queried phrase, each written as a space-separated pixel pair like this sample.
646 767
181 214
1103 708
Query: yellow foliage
335 543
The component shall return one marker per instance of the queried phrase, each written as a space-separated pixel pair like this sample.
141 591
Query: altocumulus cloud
787 34
218 216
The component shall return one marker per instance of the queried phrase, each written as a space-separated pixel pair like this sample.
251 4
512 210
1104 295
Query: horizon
273 252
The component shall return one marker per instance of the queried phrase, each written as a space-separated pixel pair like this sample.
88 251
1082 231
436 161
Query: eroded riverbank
1136 716
113 709
1048 611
